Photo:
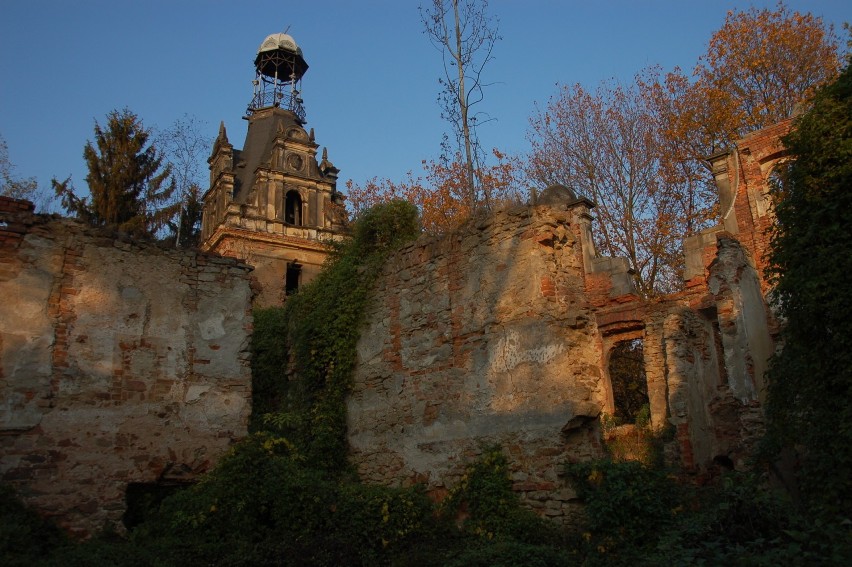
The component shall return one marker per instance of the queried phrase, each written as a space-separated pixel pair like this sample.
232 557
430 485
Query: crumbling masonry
124 364
500 333
120 364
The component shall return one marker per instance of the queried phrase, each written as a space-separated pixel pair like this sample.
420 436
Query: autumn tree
440 193
759 67
128 188
465 34
651 179
761 64
604 145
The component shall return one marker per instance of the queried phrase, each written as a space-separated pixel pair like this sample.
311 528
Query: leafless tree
185 150
20 187
604 145
465 34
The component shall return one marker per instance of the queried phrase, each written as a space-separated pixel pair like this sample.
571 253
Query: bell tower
273 204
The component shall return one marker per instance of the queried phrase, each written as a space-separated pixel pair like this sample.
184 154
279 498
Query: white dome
279 41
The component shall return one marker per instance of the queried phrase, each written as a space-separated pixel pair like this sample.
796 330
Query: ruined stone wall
479 338
709 349
120 363
270 255
500 333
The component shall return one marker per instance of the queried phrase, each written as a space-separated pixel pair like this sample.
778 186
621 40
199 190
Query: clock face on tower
295 162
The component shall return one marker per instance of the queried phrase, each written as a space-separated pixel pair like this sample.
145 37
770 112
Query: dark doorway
143 500
294 274
629 385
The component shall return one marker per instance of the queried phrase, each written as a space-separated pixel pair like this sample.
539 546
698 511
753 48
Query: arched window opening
629 385
293 208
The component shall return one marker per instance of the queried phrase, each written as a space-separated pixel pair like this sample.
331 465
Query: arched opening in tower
629 385
293 208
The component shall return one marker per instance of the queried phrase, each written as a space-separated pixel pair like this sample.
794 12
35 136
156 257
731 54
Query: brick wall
479 338
499 333
120 362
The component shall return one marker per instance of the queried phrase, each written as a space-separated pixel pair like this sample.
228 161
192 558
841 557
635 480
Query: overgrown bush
810 379
639 441
511 553
639 515
24 536
262 507
489 508
627 505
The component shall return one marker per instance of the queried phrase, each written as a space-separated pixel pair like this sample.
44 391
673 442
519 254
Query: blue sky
370 92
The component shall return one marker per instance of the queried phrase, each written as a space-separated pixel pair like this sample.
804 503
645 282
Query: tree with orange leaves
604 145
758 68
761 64
640 152
441 193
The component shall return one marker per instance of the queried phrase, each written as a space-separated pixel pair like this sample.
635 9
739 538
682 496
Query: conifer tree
128 189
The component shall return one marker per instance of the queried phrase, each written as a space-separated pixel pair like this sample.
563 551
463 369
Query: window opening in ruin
293 208
629 385
720 353
294 273
774 184
143 500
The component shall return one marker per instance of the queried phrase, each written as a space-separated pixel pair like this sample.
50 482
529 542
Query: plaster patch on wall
212 327
107 370
194 393
509 352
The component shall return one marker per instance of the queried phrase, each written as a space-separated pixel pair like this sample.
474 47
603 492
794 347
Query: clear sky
370 92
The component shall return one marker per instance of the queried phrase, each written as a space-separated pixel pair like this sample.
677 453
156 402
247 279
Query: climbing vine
305 353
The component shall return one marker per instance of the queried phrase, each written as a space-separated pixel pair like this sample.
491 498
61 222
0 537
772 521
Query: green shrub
627 505
25 538
269 360
511 553
810 379
637 515
484 495
262 507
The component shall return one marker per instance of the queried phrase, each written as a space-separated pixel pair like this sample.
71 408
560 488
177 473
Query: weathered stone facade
478 338
500 333
120 362
124 363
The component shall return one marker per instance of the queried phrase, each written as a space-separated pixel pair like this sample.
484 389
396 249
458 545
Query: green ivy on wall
305 352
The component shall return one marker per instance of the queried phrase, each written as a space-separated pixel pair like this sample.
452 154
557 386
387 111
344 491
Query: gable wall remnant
120 362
